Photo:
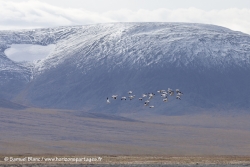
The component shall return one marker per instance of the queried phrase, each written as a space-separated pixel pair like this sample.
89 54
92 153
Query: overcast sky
23 14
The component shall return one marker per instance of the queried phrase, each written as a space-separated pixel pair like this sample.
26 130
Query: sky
27 14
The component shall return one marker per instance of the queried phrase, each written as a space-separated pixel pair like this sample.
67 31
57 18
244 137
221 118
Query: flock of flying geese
148 96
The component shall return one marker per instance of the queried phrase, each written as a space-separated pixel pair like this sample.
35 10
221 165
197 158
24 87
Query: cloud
35 14
235 19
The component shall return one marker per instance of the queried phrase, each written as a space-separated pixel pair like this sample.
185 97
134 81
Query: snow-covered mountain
211 64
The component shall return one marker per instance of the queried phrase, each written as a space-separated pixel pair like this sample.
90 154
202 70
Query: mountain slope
210 64
10 105
13 77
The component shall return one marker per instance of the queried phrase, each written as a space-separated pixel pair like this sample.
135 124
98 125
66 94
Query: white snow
28 52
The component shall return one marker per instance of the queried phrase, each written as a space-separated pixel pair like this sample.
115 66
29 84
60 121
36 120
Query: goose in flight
171 92
131 97
123 98
114 96
161 91
164 92
140 98
151 95
130 92
146 103
178 92
108 100
165 100
151 106
144 95
178 97
164 95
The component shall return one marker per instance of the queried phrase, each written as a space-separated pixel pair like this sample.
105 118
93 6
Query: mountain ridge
92 62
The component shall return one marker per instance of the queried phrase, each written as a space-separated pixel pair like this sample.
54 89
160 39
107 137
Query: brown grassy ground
148 139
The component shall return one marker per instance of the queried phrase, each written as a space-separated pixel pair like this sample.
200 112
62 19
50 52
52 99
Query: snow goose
146 103
164 92
164 95
151 95
108 100
178 92
123 98
131 97
114 96
171 92
165 100
130 92
161 91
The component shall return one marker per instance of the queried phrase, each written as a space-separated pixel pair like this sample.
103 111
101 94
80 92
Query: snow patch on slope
28 52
